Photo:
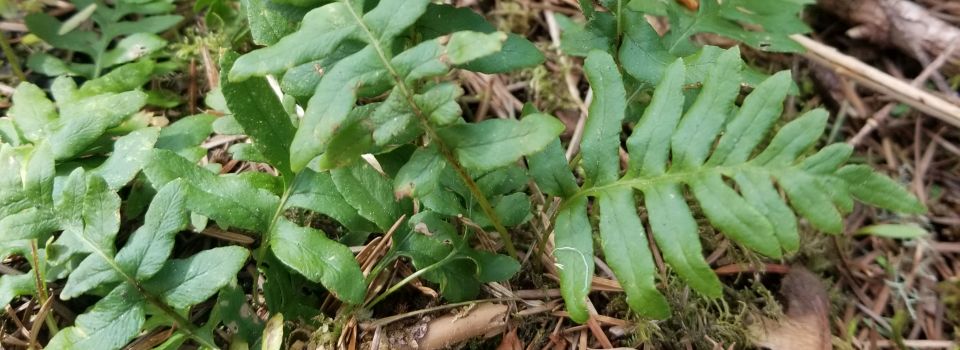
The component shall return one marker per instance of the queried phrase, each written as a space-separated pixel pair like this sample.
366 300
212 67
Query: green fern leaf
599 145
574 253
433 243
141 268
772 22
333 122
702 151
118 41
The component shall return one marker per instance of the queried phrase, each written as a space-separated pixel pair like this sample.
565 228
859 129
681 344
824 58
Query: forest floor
876 292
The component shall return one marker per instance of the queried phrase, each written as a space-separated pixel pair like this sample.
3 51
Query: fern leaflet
710 152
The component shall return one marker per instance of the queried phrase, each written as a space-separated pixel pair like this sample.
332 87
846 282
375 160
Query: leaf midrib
185 325
444 148
675 177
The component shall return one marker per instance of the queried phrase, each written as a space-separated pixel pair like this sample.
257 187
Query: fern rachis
709 153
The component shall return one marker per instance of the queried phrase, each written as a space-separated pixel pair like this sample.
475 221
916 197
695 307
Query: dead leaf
691 5
511 341
273 333
806 325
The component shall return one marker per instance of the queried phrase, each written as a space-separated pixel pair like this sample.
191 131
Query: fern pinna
370 87
708 153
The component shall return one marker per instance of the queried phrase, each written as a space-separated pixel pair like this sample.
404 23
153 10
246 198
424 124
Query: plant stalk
410 278
12 58
444 148
41 285
265 237
182 323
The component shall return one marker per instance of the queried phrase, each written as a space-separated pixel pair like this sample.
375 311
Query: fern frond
762 24
118 41
366 54
361 54
711 153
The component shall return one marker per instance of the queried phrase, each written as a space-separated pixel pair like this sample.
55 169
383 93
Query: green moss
701 323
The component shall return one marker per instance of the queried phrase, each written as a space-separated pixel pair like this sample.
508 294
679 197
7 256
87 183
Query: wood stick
882 82
905 25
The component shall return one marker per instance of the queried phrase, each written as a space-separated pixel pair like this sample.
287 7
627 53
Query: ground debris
806 325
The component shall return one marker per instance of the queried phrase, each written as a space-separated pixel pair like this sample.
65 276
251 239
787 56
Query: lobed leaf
878 190
337 94
734 216
649 145
130 154
760 110
261 116
467 46
625 247
793 139
85 120
676 234
499 142
270 20
810 199
602 129
186 134
319 259
432 242
150 245
762 196
321 32
32 112
695 135
231 201
317 192
574 253
368 191
12 286
421 174
187 282
112 323
145 252
776 21
516 53
549 169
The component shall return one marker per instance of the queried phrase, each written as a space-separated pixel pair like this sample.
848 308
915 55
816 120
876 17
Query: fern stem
482 200
410 278
12 58
185 325
619 19
41 285
681 176
432 134
265 237
544 235
261 253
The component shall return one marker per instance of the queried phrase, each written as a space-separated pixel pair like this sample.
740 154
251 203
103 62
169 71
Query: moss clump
703 323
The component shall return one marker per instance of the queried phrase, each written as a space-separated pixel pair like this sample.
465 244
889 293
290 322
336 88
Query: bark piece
901 24
444 331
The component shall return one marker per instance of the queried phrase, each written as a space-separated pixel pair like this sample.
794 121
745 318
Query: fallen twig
875 79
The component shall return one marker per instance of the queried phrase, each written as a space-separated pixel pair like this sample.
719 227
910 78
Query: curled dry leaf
511 341
806 325
273 333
